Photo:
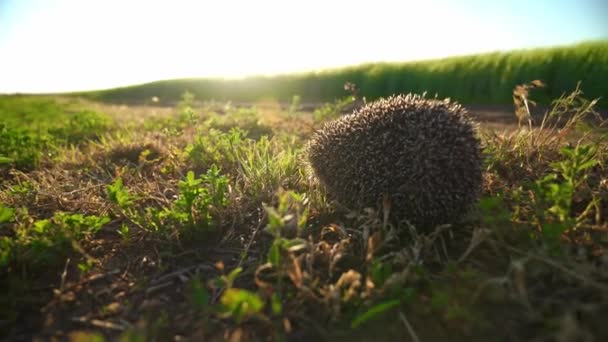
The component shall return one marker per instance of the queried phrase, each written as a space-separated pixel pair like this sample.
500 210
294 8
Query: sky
72 45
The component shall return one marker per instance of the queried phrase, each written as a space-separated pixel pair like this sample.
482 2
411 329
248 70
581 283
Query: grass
202 223
32 127
476 79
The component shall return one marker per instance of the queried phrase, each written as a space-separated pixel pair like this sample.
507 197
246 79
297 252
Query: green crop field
203 221
476 79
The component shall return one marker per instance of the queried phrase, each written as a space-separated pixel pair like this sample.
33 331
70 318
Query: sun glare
71 45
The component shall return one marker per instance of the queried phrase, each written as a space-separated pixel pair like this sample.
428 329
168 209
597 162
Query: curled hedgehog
422 153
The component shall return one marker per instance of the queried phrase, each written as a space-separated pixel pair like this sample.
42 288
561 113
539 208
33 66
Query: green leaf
380 272
200 295
588 164
276 305
552 231
231 277
374 311
41 226
567 152
240 304
5 160
6 214
6 250
274 253
118 194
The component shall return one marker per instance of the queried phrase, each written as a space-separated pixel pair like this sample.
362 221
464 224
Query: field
199 222
483 79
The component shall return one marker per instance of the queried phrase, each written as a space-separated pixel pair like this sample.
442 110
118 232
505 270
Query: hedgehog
422 155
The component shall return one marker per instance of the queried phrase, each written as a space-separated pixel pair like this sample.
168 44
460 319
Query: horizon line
313 71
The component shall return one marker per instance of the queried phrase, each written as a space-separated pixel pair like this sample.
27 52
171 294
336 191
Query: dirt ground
493 117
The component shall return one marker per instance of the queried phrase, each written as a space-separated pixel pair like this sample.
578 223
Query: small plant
216 147
552 196
86 266
45 241
265 166
187 114
199 198
235 303
197 206
240 304
124 231
119 195
290 215
285 223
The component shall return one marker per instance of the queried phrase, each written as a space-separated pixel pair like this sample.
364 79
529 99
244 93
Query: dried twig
171 275
409 328
100 324
250 242
64 275
158 287
479 236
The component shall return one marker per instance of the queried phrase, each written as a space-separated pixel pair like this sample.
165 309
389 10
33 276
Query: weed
266 165
119 195
200 198
240 304
552 196
216 147
44 242
187 115
196 208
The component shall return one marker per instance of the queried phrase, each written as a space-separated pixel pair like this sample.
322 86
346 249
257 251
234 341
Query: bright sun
70 45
